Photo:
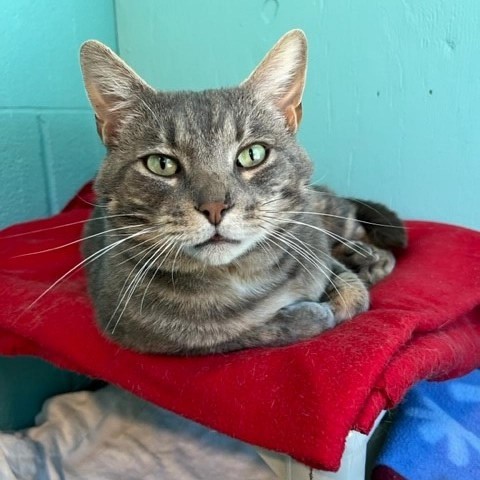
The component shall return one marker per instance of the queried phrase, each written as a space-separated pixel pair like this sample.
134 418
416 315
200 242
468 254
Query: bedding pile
435 434
302 400
111 434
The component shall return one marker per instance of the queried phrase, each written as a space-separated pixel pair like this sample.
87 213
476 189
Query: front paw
293 323
307 318
347 294
369 262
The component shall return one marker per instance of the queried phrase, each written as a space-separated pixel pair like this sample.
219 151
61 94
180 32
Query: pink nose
214 211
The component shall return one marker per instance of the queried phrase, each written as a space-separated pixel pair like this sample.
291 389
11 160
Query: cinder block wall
391 109
48 143
48 148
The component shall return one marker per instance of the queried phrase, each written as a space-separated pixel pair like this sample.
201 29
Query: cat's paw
308 318
347 294
292 323
369 262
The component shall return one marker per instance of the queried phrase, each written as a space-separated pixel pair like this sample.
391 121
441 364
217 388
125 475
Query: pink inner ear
99 124
293 116
106 119
107 128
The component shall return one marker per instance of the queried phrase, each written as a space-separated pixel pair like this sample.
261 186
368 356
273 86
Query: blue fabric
436 434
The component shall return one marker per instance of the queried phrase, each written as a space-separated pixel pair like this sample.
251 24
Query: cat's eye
252 156
161 165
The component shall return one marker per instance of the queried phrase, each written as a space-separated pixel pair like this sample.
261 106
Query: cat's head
207 171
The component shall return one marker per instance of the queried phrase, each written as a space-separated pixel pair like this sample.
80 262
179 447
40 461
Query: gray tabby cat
207 236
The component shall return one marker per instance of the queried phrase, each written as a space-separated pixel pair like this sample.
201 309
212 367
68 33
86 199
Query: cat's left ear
281 76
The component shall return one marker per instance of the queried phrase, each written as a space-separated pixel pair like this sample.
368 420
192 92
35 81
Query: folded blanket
302 399
436 433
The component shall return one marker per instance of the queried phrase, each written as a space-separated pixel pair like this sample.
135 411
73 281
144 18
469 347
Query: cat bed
301 400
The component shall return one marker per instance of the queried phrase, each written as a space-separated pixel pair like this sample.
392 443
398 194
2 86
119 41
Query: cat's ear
281 76
111 86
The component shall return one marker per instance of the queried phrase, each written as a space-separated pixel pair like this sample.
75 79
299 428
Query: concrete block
73 152
40 43
23 188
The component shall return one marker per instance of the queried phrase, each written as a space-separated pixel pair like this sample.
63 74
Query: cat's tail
383 226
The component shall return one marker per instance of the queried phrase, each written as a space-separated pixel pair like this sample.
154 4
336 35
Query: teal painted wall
392 106
48 142
48 148
25 383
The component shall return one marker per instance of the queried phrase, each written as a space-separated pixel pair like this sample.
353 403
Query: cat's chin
218 253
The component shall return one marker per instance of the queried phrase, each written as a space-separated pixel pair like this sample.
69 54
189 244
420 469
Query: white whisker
91 258
3 237
315 261
173 266
161 248
341 217
166 251
128 292
290 254
75 241
352 245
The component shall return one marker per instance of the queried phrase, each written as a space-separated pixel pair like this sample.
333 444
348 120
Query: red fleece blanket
301 400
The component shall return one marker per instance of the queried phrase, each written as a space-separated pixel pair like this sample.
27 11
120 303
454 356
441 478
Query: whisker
339 216
86 261
355 247
264 245
139 277
290 254
3 237
315 261
75 241
173 266
307 254
167 250
145 252
316 182
90 203
365 204
312 261
270 201
155 237
126 291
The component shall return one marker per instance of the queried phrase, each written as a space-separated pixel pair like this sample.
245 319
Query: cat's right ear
111 86
281 76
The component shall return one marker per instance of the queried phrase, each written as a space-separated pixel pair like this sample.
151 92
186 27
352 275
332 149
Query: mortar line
46 154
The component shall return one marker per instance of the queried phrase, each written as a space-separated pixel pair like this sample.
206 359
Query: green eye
252 156
162 165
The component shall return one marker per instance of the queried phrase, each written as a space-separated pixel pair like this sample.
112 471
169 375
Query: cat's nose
214 211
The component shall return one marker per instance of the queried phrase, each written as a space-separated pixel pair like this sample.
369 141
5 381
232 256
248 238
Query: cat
208 236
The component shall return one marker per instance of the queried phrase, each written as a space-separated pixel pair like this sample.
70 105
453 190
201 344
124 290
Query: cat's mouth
217 239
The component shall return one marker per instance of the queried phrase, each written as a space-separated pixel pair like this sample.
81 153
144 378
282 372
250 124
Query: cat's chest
248 288
275 291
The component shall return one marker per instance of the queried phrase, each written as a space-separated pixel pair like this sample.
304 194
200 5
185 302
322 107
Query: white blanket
112 435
